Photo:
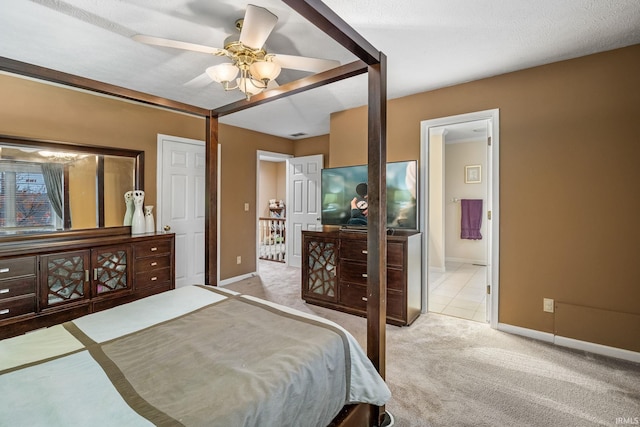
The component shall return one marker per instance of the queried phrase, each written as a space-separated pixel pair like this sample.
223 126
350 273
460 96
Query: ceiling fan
257 67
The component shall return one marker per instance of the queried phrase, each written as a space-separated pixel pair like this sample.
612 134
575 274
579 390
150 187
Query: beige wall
568 159
568 195
312 146
45 111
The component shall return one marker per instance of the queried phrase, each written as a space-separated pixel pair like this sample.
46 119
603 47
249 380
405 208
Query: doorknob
167 227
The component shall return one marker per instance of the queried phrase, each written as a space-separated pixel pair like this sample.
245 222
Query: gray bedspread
196 356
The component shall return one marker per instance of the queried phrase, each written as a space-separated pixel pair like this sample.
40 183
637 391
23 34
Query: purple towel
471 219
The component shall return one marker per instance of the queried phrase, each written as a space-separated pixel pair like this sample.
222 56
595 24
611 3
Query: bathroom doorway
459 176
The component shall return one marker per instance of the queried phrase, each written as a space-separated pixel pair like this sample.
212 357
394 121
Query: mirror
48 186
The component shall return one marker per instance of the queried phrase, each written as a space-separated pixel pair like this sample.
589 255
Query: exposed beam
330 76
319 14
47 74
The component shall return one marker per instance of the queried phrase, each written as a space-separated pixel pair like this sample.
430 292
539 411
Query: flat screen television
344 195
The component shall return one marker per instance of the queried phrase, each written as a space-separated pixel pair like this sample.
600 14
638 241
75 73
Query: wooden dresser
334 273
49 279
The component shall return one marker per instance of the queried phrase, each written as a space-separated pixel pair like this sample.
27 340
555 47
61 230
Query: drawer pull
4 270
364 275
154 278
364 251
154 249
4 291
4 311
365 299
153 264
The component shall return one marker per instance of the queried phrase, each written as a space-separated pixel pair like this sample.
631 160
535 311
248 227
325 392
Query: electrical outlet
238 259
547 305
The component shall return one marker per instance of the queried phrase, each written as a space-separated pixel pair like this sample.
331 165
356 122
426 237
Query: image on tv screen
344 195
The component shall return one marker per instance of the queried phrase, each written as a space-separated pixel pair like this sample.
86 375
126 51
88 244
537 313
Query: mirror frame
136 155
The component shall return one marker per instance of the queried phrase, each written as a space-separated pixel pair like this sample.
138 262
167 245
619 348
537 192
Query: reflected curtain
52 173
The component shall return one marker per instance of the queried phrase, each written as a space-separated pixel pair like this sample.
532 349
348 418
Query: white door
181 196
303 202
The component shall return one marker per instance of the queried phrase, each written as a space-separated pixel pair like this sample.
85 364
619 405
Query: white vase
150 225
137 220
128 201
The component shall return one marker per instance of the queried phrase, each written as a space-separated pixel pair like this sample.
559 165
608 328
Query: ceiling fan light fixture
223 73
265 71
249 86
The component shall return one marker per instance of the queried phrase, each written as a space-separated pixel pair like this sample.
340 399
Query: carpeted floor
445 371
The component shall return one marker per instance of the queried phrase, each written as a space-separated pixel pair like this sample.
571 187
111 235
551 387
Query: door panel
303 184
182 192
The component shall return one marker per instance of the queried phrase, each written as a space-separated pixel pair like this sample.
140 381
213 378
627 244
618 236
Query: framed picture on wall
473 174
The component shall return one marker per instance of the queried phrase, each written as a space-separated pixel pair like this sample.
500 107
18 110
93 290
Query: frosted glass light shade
264 70
249 86
224 72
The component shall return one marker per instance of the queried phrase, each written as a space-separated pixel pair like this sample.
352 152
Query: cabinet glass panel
65 278
111 271
322 279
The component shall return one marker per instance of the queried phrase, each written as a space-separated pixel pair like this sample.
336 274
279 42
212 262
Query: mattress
196 355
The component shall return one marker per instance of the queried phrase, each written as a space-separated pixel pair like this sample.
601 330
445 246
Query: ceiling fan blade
258 24
303 63
158 41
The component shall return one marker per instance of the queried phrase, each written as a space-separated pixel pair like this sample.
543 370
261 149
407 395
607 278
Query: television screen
344 195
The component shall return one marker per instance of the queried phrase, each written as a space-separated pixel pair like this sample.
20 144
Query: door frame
493 200
267 156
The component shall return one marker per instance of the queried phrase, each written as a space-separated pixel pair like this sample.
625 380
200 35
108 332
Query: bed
370 61
197 355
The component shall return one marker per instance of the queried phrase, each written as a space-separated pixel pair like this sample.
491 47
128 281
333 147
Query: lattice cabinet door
65 278
110 270
319 268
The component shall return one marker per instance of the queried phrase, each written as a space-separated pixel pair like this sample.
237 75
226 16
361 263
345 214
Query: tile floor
459 292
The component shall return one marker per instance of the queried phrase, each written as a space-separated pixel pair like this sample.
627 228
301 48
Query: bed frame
370 61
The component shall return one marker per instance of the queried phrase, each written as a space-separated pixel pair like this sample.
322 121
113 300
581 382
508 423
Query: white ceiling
429 44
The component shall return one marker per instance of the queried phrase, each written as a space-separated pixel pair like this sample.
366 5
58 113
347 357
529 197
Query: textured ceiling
429 44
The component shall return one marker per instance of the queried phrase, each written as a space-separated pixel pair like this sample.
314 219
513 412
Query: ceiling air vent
297 135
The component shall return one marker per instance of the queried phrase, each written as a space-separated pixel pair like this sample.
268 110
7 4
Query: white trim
481 262
493 118
604 350
231 280
529 333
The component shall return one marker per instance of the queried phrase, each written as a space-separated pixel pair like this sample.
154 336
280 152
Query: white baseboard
231 280
529 333
603 350
466 260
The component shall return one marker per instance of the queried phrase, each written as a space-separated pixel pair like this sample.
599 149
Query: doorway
271 209
459 194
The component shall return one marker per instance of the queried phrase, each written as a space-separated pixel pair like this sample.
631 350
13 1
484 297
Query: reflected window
24 202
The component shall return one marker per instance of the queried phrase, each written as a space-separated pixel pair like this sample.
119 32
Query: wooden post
377 224
211 204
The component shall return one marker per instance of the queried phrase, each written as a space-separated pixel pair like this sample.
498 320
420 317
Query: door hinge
488 289
489 140
489 215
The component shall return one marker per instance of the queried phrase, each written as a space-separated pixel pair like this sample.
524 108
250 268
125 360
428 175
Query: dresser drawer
152 248
153 277
356 273
396 306
17 287
17 306
353 296
354 250
395 254
152 263
16 267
